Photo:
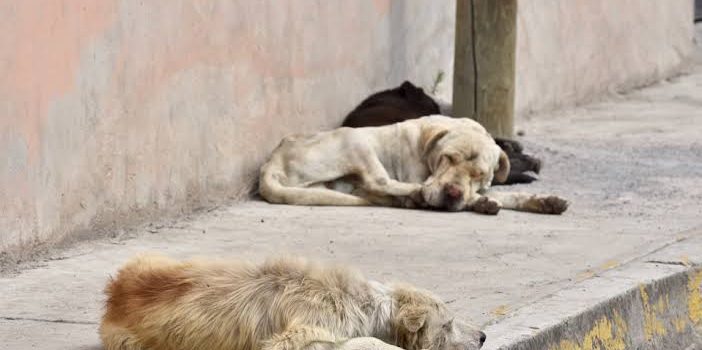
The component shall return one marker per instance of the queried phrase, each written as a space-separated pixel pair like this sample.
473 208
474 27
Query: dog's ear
413 317
430 137
407 86
410 91
502 171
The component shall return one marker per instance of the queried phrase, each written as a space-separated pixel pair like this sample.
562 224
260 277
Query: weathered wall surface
572 51
116 110
113 111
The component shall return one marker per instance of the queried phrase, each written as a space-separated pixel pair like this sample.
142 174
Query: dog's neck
382 311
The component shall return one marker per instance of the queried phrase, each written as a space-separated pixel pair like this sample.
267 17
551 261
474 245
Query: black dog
410 102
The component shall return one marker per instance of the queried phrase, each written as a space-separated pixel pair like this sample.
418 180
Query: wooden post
484 65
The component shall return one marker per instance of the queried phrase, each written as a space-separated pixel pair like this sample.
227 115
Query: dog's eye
452 158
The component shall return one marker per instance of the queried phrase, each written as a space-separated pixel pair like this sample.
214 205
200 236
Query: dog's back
158 303
411 102
392 106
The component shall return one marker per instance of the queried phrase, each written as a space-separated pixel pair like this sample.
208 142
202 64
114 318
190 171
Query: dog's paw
554 205
407 203
548 205
488 206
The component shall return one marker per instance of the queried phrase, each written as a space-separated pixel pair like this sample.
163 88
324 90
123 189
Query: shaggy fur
408 101
156 303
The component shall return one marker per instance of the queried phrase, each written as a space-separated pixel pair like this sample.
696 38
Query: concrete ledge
653 302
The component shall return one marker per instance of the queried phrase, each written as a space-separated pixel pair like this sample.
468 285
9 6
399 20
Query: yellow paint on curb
652 325
609 265
611 333
680 324
567 345
694 298
601 336
587 274
500 310
621 324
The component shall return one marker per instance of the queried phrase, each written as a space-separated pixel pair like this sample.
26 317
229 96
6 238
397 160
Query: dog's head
463 160
422 321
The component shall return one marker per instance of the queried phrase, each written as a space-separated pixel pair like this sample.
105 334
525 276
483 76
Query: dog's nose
482 338
453 192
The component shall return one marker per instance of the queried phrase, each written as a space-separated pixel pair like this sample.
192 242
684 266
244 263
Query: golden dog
156 303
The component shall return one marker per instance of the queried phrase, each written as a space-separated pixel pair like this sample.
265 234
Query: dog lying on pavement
435 161
156 303
410 102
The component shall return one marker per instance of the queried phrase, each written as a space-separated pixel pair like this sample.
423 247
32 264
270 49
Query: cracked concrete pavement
630 165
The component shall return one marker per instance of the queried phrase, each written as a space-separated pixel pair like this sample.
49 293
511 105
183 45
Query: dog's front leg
485 205
532 203
374 178
384 185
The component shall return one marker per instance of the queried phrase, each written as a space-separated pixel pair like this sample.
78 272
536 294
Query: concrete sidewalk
631 167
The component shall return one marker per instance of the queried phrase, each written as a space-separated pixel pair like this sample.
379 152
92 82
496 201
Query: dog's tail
272 188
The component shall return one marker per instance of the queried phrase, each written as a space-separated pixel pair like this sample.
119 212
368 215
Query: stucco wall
572 51
115 111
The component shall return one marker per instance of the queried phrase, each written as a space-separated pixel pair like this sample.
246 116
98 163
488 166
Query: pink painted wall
115 111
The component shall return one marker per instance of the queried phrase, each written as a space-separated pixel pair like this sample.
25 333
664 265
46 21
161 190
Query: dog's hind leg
274 190
315 196
532 203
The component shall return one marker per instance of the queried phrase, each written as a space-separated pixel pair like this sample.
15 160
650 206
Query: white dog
434 161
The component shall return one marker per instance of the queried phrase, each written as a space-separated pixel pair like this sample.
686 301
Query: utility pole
484 63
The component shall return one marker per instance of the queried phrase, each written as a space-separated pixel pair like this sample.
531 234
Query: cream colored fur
434 161
156 303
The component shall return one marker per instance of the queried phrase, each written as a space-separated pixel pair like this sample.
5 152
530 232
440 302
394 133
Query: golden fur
156 303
